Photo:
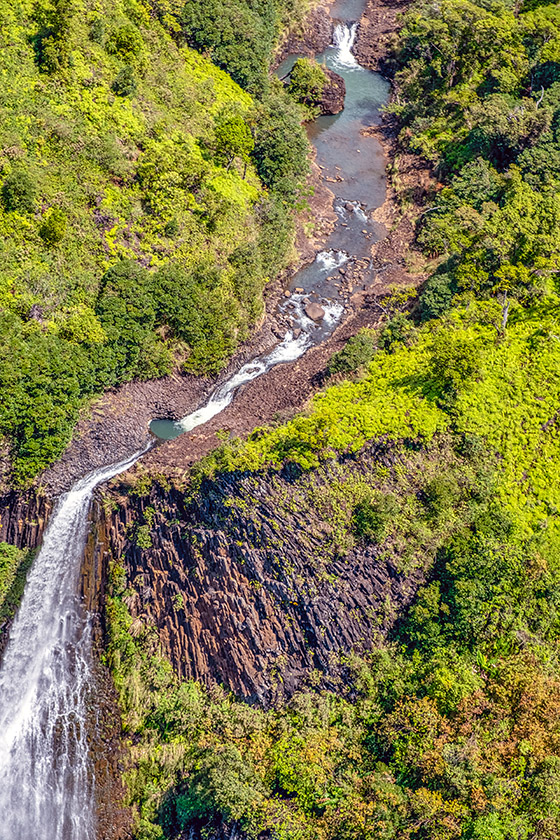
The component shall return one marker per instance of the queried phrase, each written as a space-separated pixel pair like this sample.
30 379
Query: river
47 785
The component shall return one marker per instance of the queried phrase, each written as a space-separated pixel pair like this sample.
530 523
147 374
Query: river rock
314 311
334 93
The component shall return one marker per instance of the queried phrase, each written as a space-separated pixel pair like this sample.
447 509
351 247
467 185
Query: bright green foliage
120 146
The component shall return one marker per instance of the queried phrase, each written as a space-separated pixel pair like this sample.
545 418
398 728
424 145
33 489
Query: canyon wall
245 580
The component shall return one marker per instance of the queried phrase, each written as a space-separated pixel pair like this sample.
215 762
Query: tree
307 82
18 192
233 139
53 226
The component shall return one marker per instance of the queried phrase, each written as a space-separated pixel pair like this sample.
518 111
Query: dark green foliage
18 192
307 82
97 31
53 226
358 351
125 82
53 41
280 152
372 518
239 34
398 332
437 296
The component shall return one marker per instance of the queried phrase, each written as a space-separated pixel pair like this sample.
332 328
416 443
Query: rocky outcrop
23 518
245 582
309 39
334 93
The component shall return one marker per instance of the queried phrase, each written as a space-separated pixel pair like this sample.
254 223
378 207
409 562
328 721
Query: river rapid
47 784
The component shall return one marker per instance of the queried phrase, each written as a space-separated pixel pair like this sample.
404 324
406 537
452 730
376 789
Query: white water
46 778
289 350
344 39
329 260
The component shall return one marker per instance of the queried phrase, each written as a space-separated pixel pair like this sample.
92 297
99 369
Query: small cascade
290 349
344 40
46 775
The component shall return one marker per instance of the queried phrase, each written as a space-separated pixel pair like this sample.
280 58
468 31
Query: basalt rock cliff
247 580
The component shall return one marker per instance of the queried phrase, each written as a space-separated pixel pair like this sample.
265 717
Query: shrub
437 296
126 42
455 360
440 495
18 192
52 227
307 82
359 351
371 517
398 332
125 82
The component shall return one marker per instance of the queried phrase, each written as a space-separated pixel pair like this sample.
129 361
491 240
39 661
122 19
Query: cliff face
23 518
247 581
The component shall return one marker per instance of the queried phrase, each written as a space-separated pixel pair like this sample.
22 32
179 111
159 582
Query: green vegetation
307 83
449 727
14 565
145 201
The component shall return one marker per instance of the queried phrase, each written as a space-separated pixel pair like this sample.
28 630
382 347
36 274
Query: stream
46 773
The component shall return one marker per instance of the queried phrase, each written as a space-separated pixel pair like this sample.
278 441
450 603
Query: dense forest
150 170
145 199
449 728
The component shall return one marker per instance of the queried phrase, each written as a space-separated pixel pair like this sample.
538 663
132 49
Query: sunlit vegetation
449 727
123 150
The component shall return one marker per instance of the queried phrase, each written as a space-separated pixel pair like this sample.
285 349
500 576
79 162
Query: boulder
314 311
334 93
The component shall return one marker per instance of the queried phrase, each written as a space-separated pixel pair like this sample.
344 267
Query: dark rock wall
244 583
23 518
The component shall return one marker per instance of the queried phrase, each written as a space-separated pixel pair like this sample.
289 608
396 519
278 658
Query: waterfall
46 777
344 39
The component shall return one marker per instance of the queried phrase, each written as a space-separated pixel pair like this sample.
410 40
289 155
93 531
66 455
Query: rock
349 207
299 290
287 293
334 93
314 311
297 332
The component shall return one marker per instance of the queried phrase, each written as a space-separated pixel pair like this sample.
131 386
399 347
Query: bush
371 517
307 82
455 360
399 332
281 145
440 495
52 227
125 82
18 192
359 351
437 296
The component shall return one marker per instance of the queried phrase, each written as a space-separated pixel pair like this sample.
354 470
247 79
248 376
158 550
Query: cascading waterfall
46 778
344 39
